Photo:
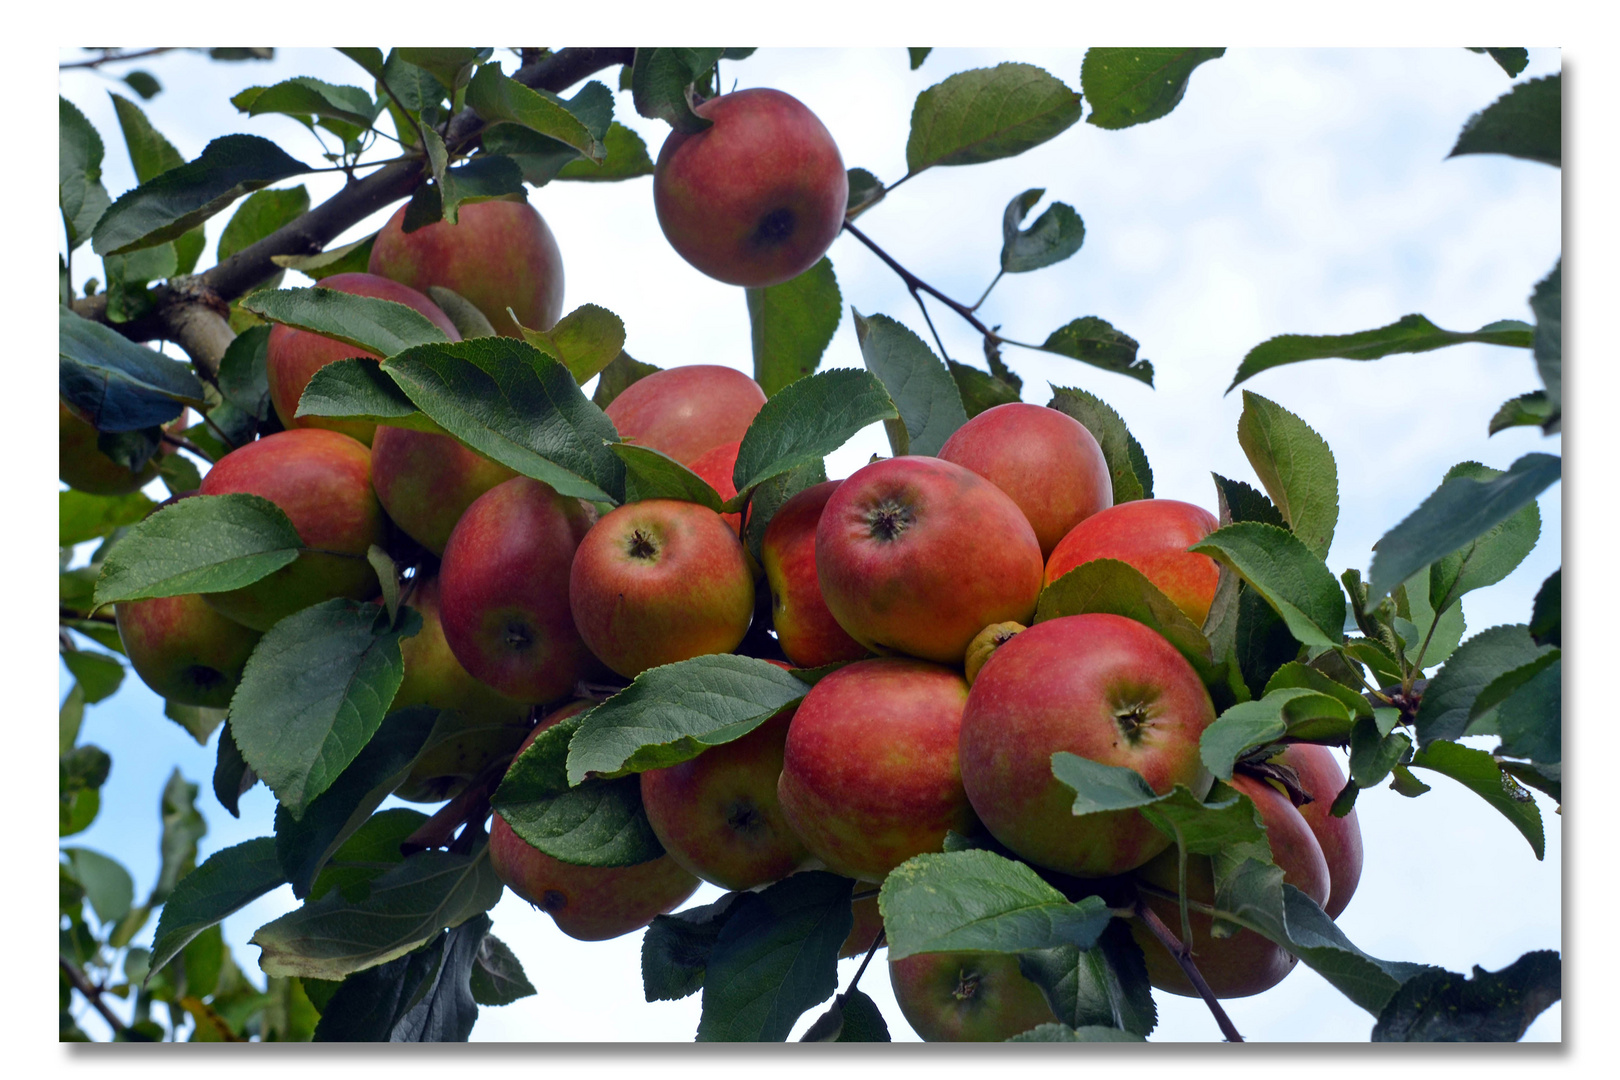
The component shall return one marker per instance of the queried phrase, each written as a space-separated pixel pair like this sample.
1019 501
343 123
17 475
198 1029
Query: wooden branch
91 994
1183 957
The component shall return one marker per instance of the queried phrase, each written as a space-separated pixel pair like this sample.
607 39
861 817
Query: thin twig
917 296
914 282
986 294
877 943
1183 956
111 58
92 994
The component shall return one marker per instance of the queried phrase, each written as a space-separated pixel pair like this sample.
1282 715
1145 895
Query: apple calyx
641 545
967 986
889 519
1134 715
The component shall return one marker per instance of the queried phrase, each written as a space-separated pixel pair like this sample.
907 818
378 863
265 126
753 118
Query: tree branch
83 985
915 283
1183 957
111 57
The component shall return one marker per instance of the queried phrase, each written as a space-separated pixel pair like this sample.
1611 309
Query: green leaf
82 772
768 498
98 674
80 194
497 974
1116 588
792 324
918 56
1546 615
979 390
259 215
181 198
1526 122
586 340
1102 987
986 114
917 382
1530 721
143 83
485 177
372 849
463 315
652 474
1479 772
1416 620
1127 461
183 826
226 882
303 96
204 543
358 388
1197 827
1511 61
865 192
70 718
1297 584
347 259
1410 334
1375 749
82 516
1447 708
425 996
1055 235
116 384
384 327
621 372
1296 467
1251 724
107 885
660 79
673 713
1493 1006
1240 502
676 948
1526 410
232 777
807 420
625 158
497 99
1132 86
1547 303
1492 555
149 152
1093 341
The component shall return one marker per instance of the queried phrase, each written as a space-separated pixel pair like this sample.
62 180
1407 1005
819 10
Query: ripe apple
716 466
917 555
659 581
503 591
1100 686
687 411
869 772
1153 536
1045 460
806 630
500 254
1321 778
967 996
758 197
426 481
1244 963
322 481
184 649
293 356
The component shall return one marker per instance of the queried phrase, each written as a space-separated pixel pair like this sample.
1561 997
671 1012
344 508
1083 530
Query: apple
1045 460
967 996
1244 963
426 481
82 466
322 481
917 555
758 197
869 771
1100 686
500 254
503 591
183 649
806 630
293 356
1340 838
1151 535
687 411
716 467
984 645
658 581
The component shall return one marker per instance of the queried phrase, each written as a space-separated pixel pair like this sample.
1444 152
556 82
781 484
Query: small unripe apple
183 649
985 643
1153 536
687 411
967 996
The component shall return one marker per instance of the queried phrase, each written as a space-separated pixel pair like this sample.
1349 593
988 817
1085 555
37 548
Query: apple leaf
346 259
807 420
201 544
865 192
384 327
303 96
1410 334
1105 986
81 196
227 881
1117 588
1480 773
852 1017
1094 341
1547 345
979 389
792 324
676 948
596 823
672 713
775 956
1057 234
152 155
357 388
918 383
1041 1033
1280 568
116 384
497 975
313 694
81 516
1493 1006
660 79
498 98
108 886
1489 557
1251 724
622 372
768 498
586 340
986 114
374 848
1198 827
232 777
1512 61
626 158
1240 502
424 996
977 900
1526 410
1133 86
653 474
1529 718
1526 122
1127 461
1296 467
1296 674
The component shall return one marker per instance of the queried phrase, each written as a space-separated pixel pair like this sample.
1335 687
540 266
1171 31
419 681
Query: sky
1292 191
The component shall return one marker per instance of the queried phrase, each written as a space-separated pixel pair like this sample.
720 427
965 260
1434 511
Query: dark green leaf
597 823
232 777
1526 122
865 192
107 885
1251 724
143 83
918 56
1526 410
858 1020
259 215
79 192
1411 334
1093 341
1127 462
497 974
1511 61
372 849
1132 86
660 79
1240 502
1547 778
1296 467
986 114
621 371
652 474
1492 555
497 98
383 327
149 152
357 388
303 96
463 315
347 259
768 498
485 177
792 324
676 948
430 1000
1546 616
1055 235
1547 303
81 516
183 826
807 420
1065 1033
1282 570
1104 986
1117 588
69 720
116 384
626 158
1374 749
198 721
979 390
917 382
226 882
204 543
1530 719
1493 1006
1479 772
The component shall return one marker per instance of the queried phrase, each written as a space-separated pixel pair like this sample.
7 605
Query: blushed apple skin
183 649
967 996
687 411
757 198
869 772
499 254
716 467
503 591
322 481
1100 686
1153 536
1245 963
1046 461
426 481
659 581
805 628
1340 838
917 555
292 356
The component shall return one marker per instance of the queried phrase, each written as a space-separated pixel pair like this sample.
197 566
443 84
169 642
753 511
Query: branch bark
1183 957
91 994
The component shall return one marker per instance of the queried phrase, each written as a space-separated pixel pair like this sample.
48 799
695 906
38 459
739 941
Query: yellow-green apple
869 772
967 996
503 591
1244 963
917 555
322 481
500 254
1101 686
756 198
1153 536
806 630
687 411
658 581
184 649
426 481
716 466
1045 460
1340 838
293 356
985 643
82 466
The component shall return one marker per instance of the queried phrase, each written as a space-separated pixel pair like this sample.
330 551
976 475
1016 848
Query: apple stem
1183 957
877 943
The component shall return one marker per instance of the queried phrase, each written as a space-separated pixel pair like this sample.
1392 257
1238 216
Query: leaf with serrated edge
1296 467
1117 588
356 388
791 325
807 420
1489 557
1409 334
1278 566
226 882
1127 463
1526 122
496 97
1054 236
1133 86
204 543
986 114
918 383
1479 772
383 327
653 474
117 384
1250 724
1094 341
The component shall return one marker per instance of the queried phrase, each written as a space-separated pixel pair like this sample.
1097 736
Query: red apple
806 630
426 482
687 411
1100 686
183 649
716 466
1321 778
1046 461
322 481
917 555
758 197
499 254
869 772
1153 536
503 591
659 581
967 996
292 356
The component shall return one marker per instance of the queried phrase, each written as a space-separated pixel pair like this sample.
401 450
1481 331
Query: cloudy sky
1292 191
